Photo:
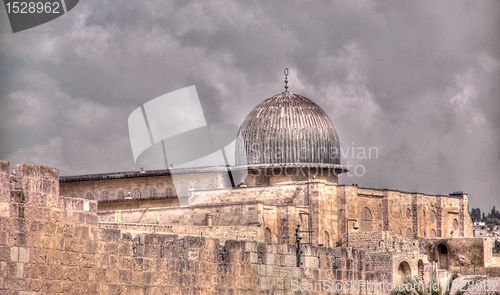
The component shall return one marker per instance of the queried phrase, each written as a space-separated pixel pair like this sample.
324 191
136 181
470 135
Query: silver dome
288 129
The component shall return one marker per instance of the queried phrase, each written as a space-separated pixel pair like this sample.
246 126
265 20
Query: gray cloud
418 80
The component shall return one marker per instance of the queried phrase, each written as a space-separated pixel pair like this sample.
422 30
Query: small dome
288 129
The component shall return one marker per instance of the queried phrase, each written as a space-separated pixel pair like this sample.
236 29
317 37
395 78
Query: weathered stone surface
55 245
14 254
24 255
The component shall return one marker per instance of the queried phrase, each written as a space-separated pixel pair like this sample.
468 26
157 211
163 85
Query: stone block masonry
54 245
47 243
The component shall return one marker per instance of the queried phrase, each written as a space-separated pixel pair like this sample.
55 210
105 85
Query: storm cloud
419 80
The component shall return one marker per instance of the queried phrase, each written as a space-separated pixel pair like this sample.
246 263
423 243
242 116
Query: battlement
29 185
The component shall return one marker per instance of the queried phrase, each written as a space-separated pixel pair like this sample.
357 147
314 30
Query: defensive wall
51 244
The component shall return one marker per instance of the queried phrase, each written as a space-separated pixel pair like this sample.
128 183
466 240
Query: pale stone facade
51 244
413 215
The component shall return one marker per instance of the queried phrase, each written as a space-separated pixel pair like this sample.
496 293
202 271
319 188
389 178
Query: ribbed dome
287 130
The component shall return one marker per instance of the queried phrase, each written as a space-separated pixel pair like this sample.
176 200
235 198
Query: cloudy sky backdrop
420 80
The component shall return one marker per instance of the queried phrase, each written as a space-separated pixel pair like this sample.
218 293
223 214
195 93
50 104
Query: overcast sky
419 80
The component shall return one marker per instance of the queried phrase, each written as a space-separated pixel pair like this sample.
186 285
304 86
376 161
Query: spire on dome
286 78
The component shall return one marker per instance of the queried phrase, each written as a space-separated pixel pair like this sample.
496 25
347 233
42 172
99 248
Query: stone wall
236 213
47 243
279 220
402 249
119 188
329 205
223 233
137 204
457 255
280 193
139 186
166 264
413 215
490 259
327 214
55 245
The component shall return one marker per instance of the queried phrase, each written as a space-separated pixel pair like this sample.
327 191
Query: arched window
268 235
408 213
366 220
90 195
433 234
433 216
136 194
455 224
152 193
104 196
327 239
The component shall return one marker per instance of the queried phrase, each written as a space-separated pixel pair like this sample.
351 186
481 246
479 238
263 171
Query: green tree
475 214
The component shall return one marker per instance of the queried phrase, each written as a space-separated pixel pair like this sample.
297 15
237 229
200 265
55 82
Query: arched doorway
420 269
442 250
404 271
